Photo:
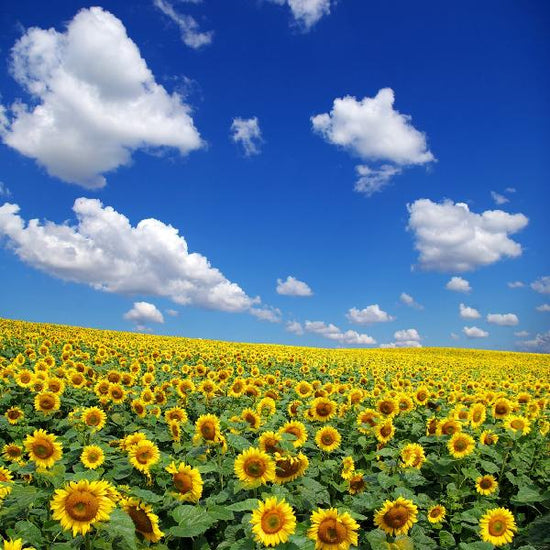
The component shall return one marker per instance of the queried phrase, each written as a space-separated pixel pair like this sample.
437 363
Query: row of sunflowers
126 441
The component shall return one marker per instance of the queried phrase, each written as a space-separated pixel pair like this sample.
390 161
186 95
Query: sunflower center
208 431
287 468
396 517
476 416
293 431
485 483
183 482
93 456
327 439
357 483
421 396
47 403
82 506
497 527
141 520
331 531
449 429
501 409
517 424
272 522
43 449
116 393
385 431
324 409
435 513
460 445
254 468
143 456
14 415
14 452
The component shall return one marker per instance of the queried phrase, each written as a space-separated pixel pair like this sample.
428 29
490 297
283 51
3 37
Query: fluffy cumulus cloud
543 307
370 314
516 284
458 284
90 108
449 237
542 285
540 343
475 332
503 319
191 35
104 251
468 312
246 132
306 12
293 287
144 312
295 328
406 338
408 300
374 131
267 313
332 332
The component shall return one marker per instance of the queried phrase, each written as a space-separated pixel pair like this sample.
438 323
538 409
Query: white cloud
172 312
267 313
189 28
4 191
107 253
144 312
503 319
370 314
521 334
332 332
475 332
516 284
372 180
541 343
510 190
246 132
408 300
406 338
372 130
455 336
543 307
306 12
293 287
295 327
450 237
94 101
458 284
542 285
469 312
498 198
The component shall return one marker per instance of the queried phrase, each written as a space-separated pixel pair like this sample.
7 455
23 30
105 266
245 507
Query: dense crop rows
124 441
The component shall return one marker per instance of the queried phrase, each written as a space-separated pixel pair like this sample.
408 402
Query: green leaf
244 505
192 521
489 467
526 495
476 546
147 496
446 539
377 539
238 442
121 526
218 512
29 532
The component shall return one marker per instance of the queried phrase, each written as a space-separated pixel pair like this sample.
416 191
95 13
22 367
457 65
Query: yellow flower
92 456
366 420
288 468
486 485
297 429
47 402
332 531
43 448
323 409
6 481
328 439
488 437
81 504
207 427
145 521
14 415
94 418
252 418
254 468
356 483
187 481
413 456
461 445
16 544
502 407
396 517
477 415
273 522
517 423
348 467
269 442
437 513
384 431
12 452
143 455
497 526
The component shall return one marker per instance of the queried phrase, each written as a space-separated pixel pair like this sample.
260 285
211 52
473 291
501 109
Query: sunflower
43 448
132 440
187 481
497 526
461 445
366 420
517 423
94 418
207 427
477 415
81 504
356 483
502 407
328 439
7 479
254 468
413 456
297 429
323 409
139 407
14 415
486 485
332 531
252 418
92 456
273 522
145 521
384 431
436 514
269 442
175 414
396 517
387 407
288 468
488 437
12 452
143 455
47 402
16 544
175 430
117 394
448 426
348 467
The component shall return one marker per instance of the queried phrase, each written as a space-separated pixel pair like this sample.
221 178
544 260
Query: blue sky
371 151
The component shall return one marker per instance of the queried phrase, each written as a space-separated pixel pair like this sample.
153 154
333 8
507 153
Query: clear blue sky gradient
473 76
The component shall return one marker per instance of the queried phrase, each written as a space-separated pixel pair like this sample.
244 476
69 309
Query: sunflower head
94 418
332 531
208 427
92 456
187 482
145 521
254 467
144 455
396 517
497 526
328 439
461 445
14 415
273 522
436 514
486 485
43 448
288 468
297 429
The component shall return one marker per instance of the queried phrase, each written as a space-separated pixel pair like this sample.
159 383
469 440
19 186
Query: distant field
115 440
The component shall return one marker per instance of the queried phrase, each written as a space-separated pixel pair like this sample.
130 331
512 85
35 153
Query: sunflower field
113 440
